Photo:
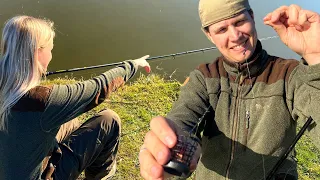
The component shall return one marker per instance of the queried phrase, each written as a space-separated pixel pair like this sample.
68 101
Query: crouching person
31 115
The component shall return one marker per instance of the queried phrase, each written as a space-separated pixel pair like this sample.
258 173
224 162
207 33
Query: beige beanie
213 11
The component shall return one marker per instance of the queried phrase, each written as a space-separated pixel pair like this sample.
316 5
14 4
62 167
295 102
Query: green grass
308 159
149 96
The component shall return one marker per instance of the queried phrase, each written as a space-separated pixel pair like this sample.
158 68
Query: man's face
236 38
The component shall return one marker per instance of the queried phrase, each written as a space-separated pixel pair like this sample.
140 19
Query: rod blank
119 63
150 58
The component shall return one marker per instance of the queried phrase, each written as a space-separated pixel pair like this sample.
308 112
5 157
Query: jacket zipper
235 126
246 131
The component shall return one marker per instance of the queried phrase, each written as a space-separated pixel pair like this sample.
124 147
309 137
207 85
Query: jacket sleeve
192 103
69 101
304 97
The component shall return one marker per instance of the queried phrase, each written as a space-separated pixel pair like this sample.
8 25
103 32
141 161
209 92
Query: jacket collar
253 65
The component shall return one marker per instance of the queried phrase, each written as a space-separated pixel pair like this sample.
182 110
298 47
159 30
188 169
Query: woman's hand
142 62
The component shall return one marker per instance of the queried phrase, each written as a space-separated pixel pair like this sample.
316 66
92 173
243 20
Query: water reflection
98 32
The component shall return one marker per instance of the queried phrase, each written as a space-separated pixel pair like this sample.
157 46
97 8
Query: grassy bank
138 102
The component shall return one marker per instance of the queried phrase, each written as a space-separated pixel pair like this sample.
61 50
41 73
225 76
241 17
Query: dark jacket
38 115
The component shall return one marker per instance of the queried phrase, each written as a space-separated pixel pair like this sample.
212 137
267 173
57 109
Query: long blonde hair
19 67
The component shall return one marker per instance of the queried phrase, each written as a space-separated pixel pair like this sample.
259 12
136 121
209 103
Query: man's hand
299 29
155 152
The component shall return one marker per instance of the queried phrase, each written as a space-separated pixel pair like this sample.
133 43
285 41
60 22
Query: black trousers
91 148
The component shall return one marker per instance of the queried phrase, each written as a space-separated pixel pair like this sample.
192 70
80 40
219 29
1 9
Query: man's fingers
159 151
312 16
278 13
267 17
278 20
279 27
155 152
161 128
303 22
275 16
293 15
300 18
149 168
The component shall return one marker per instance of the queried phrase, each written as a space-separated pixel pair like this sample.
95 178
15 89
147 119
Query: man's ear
251 14
209 36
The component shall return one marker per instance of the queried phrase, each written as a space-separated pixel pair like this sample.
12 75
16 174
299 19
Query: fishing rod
150 58
290 148
119 63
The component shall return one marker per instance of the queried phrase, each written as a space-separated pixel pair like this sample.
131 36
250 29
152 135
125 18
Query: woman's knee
109 119
110 115
67 128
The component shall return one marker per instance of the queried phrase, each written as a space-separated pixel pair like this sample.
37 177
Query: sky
262 7
268 5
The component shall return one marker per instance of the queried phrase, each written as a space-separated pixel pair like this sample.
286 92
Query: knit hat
213 11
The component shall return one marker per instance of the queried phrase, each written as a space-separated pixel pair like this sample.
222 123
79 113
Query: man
255 99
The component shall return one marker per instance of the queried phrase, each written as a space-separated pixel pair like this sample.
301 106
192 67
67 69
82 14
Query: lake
98 32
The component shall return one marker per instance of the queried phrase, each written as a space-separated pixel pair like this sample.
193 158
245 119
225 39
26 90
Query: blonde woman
31 115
